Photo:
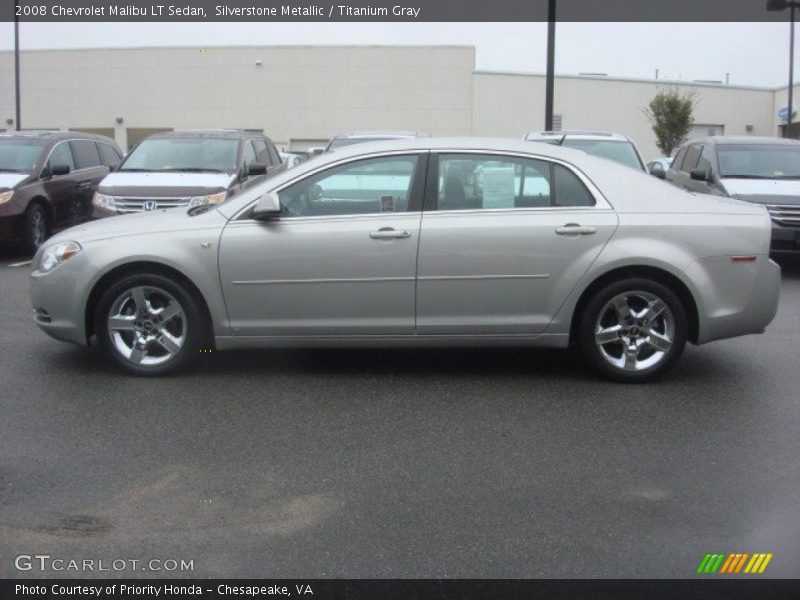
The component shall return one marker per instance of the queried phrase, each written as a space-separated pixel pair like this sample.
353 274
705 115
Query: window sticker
387 203
498 187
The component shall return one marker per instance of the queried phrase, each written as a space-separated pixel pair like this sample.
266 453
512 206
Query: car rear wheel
150 325
35 227
633 330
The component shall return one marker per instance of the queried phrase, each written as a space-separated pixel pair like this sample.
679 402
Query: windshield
20 156
621 152
765 161
183 154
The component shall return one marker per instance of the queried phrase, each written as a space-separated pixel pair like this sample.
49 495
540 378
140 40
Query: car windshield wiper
11 170
743 176
137 170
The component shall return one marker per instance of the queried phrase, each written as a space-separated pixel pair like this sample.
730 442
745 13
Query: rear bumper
736 298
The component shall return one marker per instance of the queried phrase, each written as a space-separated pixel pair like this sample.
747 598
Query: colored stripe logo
734 563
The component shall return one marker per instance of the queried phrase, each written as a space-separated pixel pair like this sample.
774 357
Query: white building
303 95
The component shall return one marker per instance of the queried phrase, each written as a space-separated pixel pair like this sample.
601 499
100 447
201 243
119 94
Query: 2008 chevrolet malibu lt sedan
420 242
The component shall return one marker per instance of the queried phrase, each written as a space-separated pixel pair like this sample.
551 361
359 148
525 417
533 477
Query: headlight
57 254
6 196
212 199
103 201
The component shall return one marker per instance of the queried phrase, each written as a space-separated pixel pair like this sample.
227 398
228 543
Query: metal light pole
551 65
778 6
791 69
16 69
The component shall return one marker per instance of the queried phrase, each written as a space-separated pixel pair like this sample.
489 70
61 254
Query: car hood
9 180
746 188
156 184
156 221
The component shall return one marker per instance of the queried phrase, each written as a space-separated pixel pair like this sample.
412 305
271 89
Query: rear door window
487 181
86 154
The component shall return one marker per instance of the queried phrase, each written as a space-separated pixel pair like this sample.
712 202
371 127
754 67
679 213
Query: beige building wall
305 92
312 92
512 104
781 101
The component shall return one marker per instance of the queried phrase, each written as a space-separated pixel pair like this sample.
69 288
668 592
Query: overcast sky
752 53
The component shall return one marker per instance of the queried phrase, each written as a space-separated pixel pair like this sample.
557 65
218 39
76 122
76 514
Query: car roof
712 140
576 134
378 133
208 133
456 144
53 135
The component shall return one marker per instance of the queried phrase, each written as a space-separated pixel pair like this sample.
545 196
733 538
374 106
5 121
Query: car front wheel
150 325
35 228
633 330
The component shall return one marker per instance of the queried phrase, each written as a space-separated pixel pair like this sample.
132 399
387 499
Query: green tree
670 113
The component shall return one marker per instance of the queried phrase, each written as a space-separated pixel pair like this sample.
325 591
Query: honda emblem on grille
150 205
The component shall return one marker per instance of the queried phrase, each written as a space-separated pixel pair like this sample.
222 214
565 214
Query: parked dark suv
186 168
756 169
47 179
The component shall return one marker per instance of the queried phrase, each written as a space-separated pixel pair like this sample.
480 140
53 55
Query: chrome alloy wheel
634 331
147 325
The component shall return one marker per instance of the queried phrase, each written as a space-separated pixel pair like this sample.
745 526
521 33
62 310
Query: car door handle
575 229
387 233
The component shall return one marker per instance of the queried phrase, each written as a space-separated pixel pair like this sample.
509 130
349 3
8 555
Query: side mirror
59 170
657 170
699 175
256 169
267 207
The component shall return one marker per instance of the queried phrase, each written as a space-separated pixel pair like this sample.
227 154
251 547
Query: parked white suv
605 144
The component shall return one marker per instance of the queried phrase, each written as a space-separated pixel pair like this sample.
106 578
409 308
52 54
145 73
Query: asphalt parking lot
399 463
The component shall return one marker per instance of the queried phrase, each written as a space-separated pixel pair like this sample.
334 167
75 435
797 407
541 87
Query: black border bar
411 589
66 11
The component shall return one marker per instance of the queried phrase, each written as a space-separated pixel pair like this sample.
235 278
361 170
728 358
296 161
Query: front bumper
10 228
58 301
785 240
12 218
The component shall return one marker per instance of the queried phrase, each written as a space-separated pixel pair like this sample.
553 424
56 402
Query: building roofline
241 47
632 80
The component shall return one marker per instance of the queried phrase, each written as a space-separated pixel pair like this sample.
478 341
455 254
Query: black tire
35 227
637 291
195 332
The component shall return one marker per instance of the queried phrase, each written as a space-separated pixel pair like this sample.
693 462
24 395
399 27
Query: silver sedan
420 242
